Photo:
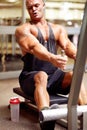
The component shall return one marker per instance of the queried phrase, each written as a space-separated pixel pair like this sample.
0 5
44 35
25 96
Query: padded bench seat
59 99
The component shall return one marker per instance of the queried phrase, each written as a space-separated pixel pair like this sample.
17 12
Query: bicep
63 38
30 44
26 41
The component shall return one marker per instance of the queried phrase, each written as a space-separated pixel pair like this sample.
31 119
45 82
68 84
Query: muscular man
43 67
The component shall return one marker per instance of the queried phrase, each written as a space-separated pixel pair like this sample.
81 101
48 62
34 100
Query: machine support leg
72 118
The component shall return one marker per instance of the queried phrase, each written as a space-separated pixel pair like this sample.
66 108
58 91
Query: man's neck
39 22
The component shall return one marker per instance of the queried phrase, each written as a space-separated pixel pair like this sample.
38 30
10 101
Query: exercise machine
59 99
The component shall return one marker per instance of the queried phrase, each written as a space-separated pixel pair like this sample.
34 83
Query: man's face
35 9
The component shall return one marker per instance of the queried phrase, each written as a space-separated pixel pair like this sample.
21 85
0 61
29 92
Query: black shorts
54 84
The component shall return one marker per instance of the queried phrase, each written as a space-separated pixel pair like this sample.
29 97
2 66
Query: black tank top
31 63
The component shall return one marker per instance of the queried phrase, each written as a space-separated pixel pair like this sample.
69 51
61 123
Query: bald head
33 0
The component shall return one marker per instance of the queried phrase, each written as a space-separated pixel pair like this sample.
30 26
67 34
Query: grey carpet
28 120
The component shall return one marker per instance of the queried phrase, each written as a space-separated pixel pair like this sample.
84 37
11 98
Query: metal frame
78 75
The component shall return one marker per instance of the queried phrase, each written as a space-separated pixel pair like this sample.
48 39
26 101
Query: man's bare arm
30 44
67 45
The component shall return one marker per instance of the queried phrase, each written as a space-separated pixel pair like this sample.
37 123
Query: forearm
71 51
67 45
41 52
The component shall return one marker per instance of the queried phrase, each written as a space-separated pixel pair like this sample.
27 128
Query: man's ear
44 6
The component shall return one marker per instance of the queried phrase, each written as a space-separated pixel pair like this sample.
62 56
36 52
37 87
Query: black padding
58 99
21 93
53 98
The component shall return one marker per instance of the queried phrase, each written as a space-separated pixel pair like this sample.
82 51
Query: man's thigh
55 83
28 84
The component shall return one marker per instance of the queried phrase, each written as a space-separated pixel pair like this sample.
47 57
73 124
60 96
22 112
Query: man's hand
59 61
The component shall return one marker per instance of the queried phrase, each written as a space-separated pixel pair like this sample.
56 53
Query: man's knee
68 75
67 79
41 77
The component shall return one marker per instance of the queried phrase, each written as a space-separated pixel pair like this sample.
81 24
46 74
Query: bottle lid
14 100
